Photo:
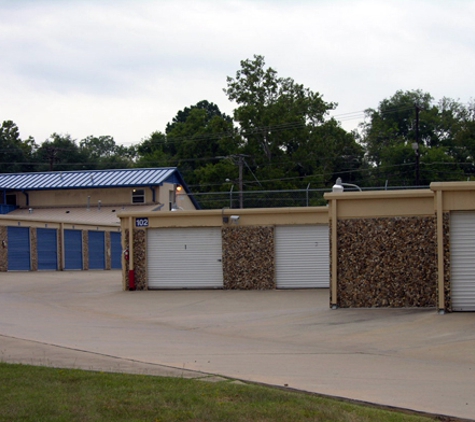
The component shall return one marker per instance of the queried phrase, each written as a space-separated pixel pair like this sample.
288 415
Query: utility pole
241 160
241 165
416 146
51 154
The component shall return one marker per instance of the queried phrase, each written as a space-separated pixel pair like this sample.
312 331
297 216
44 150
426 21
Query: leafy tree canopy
411 123
198 138
103 153
15 154
61 152
286 129
280 137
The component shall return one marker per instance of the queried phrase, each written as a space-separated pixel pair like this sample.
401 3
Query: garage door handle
219 260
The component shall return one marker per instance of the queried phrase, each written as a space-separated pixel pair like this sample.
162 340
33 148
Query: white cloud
124 68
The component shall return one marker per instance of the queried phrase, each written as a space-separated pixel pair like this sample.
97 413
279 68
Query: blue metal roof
89 179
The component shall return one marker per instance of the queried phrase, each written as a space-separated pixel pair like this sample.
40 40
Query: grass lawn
30 393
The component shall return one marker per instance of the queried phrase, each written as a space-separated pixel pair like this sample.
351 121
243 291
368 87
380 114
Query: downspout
152 188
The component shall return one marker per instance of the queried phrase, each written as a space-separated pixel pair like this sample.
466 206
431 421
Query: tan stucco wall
21 221
79 197
182 200
106 196
215 218
456 196
376 204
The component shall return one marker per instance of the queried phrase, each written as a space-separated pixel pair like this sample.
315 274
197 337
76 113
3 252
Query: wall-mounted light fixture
175 196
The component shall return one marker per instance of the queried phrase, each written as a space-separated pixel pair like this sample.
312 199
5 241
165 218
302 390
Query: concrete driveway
414 359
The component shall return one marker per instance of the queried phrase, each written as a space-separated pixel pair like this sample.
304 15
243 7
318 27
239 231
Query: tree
61 152
155 151
441 131
287 134
15 154
328 152
201 131
461 142
197 138
104 153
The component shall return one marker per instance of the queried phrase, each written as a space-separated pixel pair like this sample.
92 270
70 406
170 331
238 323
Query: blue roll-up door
73 250
18 249
116 251
97 251
47 249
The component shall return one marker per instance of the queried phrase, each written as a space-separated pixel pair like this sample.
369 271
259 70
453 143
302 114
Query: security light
338 187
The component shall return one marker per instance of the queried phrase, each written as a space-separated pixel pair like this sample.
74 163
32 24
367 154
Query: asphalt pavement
408 358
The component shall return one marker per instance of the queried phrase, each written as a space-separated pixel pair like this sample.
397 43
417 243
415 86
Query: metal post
241 199
417 145
231 197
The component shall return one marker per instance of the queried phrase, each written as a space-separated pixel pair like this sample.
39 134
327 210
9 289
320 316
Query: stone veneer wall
447 293
3 248
140 259
85 250
60 250
108 250
33 249
248 258
387 262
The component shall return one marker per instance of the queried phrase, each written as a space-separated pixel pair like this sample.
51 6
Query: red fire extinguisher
131 271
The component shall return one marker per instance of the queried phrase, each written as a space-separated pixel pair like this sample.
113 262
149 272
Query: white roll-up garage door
302 257
184 258
462 261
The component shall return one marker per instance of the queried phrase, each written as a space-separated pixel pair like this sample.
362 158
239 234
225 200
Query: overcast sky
124 68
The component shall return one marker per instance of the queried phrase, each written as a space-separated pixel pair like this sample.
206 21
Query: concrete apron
408 358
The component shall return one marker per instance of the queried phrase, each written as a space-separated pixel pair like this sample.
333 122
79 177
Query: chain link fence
275 198
261 198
